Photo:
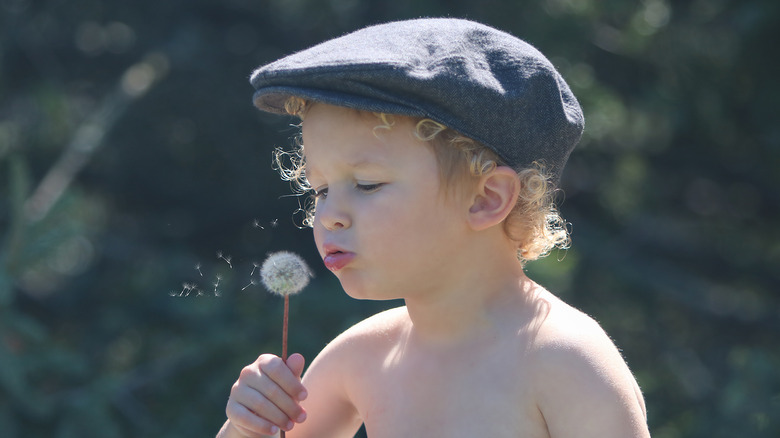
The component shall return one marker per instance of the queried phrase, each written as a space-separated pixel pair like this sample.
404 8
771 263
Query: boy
433 148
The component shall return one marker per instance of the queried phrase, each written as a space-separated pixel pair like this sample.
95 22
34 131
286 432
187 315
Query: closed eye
320 193
369 188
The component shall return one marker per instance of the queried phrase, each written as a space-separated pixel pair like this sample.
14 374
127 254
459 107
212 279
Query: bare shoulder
583 385
337 378
566 330
366 340
376 331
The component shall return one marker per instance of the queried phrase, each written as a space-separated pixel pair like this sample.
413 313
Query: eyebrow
357 164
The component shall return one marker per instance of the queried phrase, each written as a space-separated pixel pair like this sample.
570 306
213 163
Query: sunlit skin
478 350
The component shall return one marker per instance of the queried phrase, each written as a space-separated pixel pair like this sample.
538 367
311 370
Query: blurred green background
134 171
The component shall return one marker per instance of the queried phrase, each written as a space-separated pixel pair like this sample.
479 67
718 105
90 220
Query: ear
494 198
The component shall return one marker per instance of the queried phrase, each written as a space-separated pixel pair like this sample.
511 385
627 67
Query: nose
332 215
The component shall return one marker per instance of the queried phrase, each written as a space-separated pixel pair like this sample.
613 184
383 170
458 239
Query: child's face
382 223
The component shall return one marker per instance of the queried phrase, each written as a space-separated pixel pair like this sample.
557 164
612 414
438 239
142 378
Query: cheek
318 232
398 224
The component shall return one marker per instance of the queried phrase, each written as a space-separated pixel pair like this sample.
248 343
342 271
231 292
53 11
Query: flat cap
484 83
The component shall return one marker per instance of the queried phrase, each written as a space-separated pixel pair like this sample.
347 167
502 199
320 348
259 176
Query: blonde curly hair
534 223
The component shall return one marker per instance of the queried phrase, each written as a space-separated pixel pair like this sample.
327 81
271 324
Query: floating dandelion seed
251 283
197 268
225 258
188 287
255 265
256 224
216 285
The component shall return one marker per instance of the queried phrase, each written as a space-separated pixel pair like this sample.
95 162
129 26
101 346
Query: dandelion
285 273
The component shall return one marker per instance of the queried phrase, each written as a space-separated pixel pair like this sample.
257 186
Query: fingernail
302 395
290 425
274 430
301 418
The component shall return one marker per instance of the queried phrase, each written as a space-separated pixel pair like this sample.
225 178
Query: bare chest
458 396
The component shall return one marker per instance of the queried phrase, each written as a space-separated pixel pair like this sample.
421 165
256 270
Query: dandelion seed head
285 273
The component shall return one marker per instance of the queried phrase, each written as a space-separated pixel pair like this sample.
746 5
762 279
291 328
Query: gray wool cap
483 83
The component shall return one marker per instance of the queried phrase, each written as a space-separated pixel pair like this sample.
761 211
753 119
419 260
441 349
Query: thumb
296 362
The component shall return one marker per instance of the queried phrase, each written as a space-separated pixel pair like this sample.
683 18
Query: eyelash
369 188
319 194
365 188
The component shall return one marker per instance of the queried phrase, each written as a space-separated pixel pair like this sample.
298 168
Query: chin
358 291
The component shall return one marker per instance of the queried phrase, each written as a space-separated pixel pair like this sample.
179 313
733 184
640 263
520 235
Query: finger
296 363
283 376
268 404
247 422
269 390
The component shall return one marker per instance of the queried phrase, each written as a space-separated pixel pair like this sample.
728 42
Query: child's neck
473 304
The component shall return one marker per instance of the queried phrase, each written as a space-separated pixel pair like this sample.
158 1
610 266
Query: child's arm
329 407
585 388
265 398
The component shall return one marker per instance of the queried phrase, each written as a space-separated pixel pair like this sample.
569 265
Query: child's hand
266 396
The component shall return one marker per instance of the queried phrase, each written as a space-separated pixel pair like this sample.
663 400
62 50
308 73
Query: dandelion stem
285 323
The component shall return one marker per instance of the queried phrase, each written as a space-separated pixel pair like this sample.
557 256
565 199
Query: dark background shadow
131 156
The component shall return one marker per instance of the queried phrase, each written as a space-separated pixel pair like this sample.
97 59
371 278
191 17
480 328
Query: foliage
130 155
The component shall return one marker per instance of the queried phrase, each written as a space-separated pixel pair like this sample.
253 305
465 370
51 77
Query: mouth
337 259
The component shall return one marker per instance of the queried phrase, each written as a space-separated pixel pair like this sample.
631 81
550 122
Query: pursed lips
336 258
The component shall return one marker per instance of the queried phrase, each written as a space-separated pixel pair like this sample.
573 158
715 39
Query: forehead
358 138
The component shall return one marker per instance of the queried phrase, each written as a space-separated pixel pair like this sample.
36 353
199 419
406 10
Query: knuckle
248 372
235 413
264 359
272 366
